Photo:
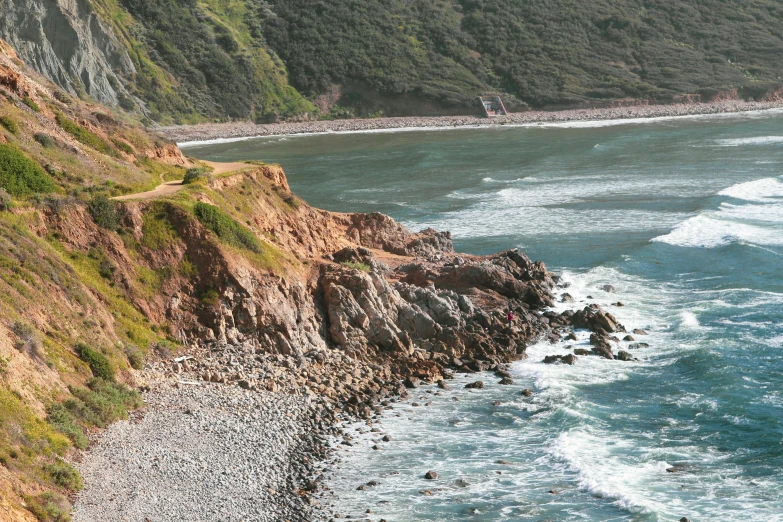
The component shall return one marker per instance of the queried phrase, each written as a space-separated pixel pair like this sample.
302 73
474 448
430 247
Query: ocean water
684 218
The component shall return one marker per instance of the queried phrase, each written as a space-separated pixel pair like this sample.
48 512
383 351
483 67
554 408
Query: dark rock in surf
478 385
431 475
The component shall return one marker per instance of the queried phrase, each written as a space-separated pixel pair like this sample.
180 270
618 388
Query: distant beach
208 132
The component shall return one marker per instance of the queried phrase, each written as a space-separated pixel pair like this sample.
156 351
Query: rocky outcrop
382 232
67 42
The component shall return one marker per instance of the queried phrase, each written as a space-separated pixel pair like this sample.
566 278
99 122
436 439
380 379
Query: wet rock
506 381
604 351
443 386
431 475
622 355
571 337
635 346
527 393
387 438
412 382
566 359
608 289
566 298
582 351
639 331
594 318
629 338
477 385
461 483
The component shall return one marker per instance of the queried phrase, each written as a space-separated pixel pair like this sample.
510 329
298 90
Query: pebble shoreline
204 452
236 130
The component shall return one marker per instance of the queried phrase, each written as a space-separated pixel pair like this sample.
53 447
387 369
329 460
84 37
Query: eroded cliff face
353 304
67 42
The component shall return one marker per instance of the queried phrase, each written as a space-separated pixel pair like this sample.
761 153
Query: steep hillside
193 60
255 287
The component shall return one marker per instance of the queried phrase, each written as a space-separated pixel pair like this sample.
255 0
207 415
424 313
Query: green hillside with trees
543 52
266 60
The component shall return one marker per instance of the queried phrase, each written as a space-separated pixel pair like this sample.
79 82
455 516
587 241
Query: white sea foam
755 222
689 320
759 140
760 190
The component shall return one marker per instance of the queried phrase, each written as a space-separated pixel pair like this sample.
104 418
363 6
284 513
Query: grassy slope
55 297
85 282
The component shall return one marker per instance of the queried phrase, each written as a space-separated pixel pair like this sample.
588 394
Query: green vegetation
215 51
98 363
20 176
30 103
135 356
45 140
49 507
157 232
64 475
543 52
122 146
9 124
193 175
104 212
85 136
102 403
6 201
364 267
226 228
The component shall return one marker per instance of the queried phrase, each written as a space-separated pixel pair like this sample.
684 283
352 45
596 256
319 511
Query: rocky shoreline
238 130
235 431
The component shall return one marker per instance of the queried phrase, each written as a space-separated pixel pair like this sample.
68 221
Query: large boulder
595 319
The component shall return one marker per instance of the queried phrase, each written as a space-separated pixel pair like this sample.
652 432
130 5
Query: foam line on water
755 222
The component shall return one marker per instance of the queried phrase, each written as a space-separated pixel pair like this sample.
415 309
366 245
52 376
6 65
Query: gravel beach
202 452
235 130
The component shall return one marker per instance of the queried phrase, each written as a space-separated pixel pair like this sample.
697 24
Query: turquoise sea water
684 218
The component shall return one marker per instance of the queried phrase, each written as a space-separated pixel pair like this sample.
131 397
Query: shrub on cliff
193 175
49 507
104 212
21 176
64 475
9 124
45 140
102 402
226 228
99 364
6 201
30 103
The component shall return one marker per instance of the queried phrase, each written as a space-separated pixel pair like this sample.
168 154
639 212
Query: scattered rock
431 475
608 289
478 385
622 355
639 331
506 381
527 393
443 386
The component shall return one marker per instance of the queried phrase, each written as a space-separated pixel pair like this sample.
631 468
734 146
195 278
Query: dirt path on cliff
167 188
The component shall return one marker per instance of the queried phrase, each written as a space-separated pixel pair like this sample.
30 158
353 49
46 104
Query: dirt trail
167 188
